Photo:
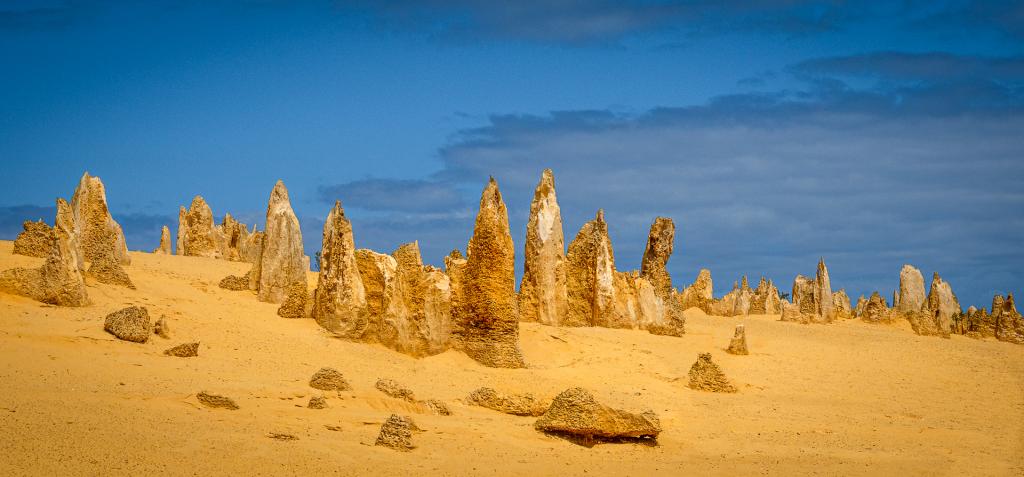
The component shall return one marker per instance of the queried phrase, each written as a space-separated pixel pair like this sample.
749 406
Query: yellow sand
848 398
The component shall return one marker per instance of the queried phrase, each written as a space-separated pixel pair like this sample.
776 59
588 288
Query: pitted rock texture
59 281
576 413
841 302
340 300
876 310
542 293
196 234
184 350
486 326
942 302
109 271
216 401
165 241
295 305
700 294
1007 323
129 324
813 298
97 233
329 379
591 277
705 375
280 265
317 402
35 240
393 389
515 404
653 266
396 433
765 300
738 344
858 311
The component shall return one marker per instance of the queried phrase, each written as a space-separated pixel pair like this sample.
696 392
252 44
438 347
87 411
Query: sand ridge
845 398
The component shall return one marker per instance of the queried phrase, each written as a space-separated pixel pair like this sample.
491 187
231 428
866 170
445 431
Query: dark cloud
922 172
606 21
410 195
931 67
12 216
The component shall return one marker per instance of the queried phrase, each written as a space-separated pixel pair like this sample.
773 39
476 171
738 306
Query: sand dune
847 398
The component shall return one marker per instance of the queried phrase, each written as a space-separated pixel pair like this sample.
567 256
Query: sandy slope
848 398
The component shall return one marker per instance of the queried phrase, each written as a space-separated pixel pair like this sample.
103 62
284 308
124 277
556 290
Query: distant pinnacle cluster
472 304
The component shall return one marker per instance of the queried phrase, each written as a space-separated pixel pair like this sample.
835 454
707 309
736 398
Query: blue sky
773 132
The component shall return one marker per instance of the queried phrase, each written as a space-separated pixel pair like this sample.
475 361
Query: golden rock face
281 264
542 293
339 303
486 325
97 232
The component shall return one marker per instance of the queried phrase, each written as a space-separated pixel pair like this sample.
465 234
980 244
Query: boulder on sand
216 401
109 271
707 376
185 350
738 345
576 414
396 433
129 324
515 404
329 379
393 389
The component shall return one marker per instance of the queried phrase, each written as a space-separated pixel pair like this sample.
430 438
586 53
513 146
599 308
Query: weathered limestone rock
792 312
329 379
736 302
279 266
841 304
653 267
437 407
1008 323
59 280
250 245
700 294
216 401
317 402
196 234
409 304
515 404
161 328
396 433
858 311
765 300
925 323
591 277
813 298
296 305
185 350
96 231
35 240
236 283
393 389
942 302
129 324
109 271
542 292
707 376
165 241
486 326
575 413
229 237
738 344
911 297
66 230
876 311
340 300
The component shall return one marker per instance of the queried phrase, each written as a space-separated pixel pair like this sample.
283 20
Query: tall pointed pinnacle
590 275
542 294
280 267
485 323
823 292
99 235
660 244
339 303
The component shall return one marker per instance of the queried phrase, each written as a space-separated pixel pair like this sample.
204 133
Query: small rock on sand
129 324
216 401
329 379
